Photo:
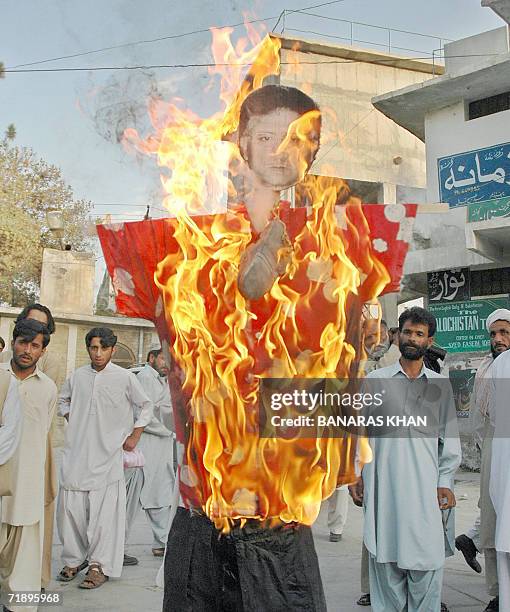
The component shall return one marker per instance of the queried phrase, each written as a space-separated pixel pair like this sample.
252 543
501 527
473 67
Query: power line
390 60
336 141
144 205
168 37
118 204
282 14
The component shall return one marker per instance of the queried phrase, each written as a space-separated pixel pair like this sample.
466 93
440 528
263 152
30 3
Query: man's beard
22 365
495 353
412 352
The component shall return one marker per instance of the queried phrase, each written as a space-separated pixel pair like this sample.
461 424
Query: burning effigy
244 284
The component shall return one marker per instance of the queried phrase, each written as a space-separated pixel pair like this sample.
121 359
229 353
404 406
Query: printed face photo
279 147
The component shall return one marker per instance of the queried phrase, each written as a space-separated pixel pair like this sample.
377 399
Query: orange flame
239 474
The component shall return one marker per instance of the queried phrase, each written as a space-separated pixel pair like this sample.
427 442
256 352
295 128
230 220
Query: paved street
463 591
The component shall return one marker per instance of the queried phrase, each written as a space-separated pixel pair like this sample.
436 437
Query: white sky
65 116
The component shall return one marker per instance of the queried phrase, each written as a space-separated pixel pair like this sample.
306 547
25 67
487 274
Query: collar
397 370
153 373
108 366
36 372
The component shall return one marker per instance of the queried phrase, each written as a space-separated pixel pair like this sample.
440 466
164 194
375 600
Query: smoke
121 103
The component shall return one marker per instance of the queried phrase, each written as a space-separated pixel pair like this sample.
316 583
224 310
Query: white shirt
38 398
10 426
101 408
157 389
499 487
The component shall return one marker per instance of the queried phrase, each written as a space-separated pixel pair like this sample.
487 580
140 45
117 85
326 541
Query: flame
238 474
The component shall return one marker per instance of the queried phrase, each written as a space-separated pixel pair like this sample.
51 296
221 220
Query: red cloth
374 239
134 250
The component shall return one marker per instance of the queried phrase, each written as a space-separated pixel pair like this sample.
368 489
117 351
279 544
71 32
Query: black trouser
252 569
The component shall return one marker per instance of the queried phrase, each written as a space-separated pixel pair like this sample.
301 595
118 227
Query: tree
10 132
29 187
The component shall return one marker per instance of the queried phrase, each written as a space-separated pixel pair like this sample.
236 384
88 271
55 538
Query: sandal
364 600
69 573
94 578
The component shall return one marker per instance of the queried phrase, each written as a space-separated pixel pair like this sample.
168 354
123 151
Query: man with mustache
410 479
21 533
50 365
481 535
499 485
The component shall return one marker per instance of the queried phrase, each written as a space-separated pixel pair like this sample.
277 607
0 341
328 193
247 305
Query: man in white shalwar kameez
500 474
498 326
22 526
152 485
410 480
99 401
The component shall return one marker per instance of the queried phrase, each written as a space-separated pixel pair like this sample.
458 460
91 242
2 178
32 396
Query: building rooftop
408 106
500 7
93 320
348 52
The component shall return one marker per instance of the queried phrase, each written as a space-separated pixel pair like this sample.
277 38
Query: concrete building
460 260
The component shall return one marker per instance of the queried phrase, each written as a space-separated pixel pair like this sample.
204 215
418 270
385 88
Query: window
123 356
489 106
490 282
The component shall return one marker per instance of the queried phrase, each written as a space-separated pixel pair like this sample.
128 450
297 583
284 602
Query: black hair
28 329
418 315
106 337
2 342
269 98
154 353
35 306
383 322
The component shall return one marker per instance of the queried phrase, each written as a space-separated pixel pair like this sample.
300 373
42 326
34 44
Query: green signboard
461 325
489 209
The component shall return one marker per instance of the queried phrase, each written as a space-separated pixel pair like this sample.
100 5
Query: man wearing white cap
500 476
151 486
498 326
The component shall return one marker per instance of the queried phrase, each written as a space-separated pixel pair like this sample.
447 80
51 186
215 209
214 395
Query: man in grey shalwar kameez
410 480
151 486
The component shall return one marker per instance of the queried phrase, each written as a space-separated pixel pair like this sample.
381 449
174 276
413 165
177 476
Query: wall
366 141
67 281
447 132
468 52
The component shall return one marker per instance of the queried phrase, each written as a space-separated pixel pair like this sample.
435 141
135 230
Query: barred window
489 106
490 282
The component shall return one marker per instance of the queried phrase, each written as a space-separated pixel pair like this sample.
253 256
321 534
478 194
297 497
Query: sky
74 119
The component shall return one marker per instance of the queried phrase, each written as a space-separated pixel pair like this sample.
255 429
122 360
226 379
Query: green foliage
29 187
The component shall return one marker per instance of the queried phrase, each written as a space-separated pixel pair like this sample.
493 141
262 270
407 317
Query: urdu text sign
461 325
475 176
